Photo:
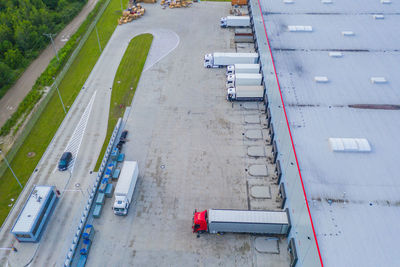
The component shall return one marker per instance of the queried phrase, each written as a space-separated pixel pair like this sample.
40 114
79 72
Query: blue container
100 199
121 157
88 232
116 174
109 190
97 210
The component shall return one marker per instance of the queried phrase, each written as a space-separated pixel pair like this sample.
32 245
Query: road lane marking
79 132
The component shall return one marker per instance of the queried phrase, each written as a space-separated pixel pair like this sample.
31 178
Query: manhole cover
31 154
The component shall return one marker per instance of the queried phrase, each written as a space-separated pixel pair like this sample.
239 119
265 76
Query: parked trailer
219 60
244 31
242 68
243 39
216 221
245 93
241 79
125 187
235 21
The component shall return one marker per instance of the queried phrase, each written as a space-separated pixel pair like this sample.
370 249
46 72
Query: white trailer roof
223 54
247 216
248 76
353 196
247 66
125 177
238 17
32 208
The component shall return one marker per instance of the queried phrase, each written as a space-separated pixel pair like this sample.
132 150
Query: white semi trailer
219 60
242 79
235 21
125 187
242 68
216 221
245 93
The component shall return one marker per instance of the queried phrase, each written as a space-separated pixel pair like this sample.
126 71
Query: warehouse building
331 70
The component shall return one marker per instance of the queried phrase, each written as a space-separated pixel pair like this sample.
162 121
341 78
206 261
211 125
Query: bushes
22 25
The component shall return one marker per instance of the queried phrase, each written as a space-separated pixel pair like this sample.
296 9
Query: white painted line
76 139
169 51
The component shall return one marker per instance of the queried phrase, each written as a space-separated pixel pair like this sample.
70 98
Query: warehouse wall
301 232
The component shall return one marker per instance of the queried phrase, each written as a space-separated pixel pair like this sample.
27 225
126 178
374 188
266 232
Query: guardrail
85 214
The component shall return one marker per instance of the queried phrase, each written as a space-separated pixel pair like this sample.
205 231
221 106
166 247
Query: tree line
22 27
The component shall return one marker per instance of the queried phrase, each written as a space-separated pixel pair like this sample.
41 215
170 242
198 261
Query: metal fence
85 214
38 110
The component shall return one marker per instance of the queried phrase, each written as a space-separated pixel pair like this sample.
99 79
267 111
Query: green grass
52 116
125 82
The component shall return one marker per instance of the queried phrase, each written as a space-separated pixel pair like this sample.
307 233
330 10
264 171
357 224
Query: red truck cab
199 224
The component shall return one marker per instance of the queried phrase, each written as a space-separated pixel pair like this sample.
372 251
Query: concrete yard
192 153
192 147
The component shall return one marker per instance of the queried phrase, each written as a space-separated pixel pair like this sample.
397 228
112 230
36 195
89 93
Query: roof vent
378 80
349 144
378 16
347 33
299 28
335 54
386 1
288 1
326 1
321 79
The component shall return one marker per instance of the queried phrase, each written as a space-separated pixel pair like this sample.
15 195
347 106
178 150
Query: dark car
123 136
64 161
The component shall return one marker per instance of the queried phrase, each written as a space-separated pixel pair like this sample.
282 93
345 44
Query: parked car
64 161
123 136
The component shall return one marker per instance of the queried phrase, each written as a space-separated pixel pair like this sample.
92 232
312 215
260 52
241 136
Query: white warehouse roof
353 197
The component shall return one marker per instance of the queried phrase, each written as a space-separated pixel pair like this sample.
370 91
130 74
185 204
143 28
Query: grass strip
125 83
53 115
